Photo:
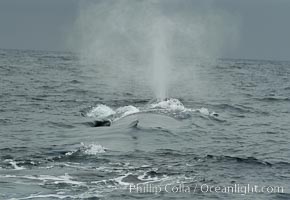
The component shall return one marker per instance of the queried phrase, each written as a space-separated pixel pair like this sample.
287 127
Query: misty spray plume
142 40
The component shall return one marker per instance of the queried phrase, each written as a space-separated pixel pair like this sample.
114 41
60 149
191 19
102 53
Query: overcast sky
44 25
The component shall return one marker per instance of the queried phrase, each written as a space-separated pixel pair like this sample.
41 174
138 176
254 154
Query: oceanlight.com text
241 189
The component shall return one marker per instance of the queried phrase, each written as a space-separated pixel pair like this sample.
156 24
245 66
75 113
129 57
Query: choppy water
234 118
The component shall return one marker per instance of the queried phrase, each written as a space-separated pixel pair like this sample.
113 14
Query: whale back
147 120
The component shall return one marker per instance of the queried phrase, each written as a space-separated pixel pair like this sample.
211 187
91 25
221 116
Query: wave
88 149
273 98
92 149
248 160
146 177
100 112
47 178
171 107
13 164
59 124
219 158
236 108
169 104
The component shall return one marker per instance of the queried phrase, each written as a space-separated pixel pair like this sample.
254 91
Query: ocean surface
223 130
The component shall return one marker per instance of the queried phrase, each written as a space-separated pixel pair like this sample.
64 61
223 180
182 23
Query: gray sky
44 24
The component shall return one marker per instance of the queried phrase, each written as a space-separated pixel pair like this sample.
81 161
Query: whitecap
169 104
14 164
45 178
100 112
119 180
93 149
37 196
126 110
204 111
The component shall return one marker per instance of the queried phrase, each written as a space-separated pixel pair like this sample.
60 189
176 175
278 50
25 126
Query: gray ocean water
234 131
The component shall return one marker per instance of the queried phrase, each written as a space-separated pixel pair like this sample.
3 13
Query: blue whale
141 120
